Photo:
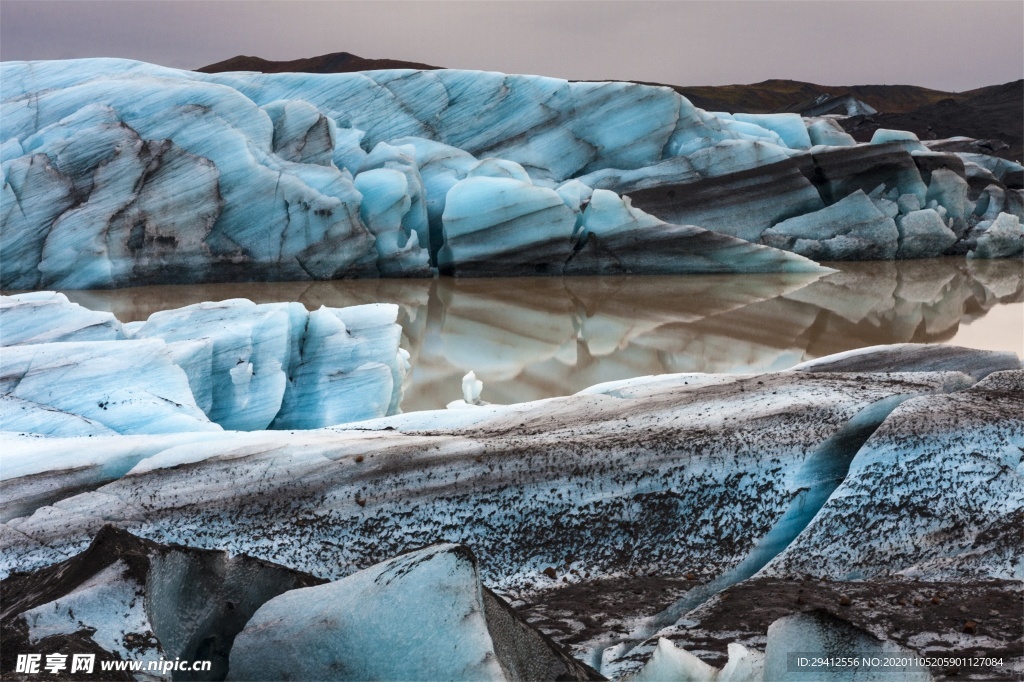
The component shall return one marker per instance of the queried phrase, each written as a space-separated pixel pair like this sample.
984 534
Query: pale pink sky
956 45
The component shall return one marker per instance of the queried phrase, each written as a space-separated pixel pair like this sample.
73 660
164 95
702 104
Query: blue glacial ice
432 597
519 223
923 234
81 388
119 172
232 364
826 132
47 316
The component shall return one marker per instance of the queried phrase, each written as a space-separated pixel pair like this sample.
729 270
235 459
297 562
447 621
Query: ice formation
130 599
735 479
119 172
430 603
232 364
492 509
86 388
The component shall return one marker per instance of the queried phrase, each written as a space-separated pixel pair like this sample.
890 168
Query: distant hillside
992 113
778 95
336 62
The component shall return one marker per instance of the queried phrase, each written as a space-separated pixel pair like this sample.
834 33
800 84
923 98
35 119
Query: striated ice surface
960 453
524 485
252 348
96 388
243 366
47 316
350 368
615 237
123 173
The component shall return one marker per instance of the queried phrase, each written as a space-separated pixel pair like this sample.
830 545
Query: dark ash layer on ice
683 487
120 173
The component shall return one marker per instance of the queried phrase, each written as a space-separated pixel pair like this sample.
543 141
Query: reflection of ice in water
531 338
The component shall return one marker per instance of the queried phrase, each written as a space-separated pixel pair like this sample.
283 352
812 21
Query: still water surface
530 338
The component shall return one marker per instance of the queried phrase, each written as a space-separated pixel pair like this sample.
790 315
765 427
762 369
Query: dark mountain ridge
336 62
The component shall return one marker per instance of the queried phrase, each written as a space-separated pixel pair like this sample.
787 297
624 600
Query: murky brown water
530 338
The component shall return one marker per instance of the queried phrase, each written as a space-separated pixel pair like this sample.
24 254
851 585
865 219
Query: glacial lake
531 338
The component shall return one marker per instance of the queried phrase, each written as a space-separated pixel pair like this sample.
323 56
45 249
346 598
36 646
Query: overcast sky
955 45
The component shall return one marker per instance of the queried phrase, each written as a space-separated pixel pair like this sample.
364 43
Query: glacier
122 173
680 481
234 365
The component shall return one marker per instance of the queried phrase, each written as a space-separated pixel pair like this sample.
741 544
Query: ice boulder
496 226
907 139
128 598
47 316
827 132
1002 238
97 387
427 604
950 190
922 234
851 229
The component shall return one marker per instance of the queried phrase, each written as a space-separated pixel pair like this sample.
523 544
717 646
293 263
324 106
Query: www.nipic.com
86 663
